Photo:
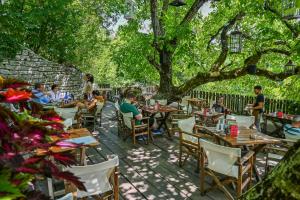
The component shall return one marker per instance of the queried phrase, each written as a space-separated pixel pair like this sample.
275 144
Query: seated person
293 129
91 105
128 106
55 94
219 105
39 94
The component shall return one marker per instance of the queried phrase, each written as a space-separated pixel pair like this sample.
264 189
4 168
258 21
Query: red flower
13 96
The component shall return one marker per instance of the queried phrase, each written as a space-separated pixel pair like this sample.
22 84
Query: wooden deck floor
148 171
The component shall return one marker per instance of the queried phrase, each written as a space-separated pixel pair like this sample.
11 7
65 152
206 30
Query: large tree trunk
283 182
166 85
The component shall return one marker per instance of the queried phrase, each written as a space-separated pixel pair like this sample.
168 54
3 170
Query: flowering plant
22 136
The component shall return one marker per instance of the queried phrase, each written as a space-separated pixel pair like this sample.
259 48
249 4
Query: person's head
89 78
54 88
85 96
257 89
95 93
130 96
39 86
296 121
220 100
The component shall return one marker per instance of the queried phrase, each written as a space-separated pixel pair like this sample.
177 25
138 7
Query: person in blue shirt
292 131
39 94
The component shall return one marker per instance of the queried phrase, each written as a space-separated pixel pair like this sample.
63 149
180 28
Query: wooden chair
92 118
121 127
70 113
136 130
183 105
226 161
189 140
101 180
275 153
174 118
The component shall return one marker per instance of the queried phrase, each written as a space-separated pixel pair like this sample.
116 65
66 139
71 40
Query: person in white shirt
55 94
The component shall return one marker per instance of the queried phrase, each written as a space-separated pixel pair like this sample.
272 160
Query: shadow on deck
148 171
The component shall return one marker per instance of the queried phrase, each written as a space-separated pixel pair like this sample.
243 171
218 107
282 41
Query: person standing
88 85
258 106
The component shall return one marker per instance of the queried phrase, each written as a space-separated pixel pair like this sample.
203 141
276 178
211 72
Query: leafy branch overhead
168 44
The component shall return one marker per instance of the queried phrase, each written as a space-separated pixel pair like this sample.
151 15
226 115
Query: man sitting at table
128 106
219 105
39 94
293 130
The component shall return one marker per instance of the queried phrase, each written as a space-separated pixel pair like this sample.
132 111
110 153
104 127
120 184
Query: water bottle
66 97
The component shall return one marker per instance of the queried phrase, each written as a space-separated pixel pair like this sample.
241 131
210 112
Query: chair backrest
66 113
221 159
187 126
184 100
95 177
67 123
163 102
152 102
117 106
127 117
99 108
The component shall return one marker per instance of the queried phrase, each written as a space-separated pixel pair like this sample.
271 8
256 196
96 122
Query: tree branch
294 30
155 20
224 42
192 11
162 15
153 62
206 77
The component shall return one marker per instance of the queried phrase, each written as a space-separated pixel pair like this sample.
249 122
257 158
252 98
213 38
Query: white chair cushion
95 177
66 112
127 117
221 159
187 125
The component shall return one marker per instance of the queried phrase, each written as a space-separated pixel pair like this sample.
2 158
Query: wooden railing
237 103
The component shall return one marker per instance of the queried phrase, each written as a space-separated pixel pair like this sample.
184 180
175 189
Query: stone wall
33 68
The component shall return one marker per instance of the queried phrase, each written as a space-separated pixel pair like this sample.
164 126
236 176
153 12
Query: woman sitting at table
55 95
91 106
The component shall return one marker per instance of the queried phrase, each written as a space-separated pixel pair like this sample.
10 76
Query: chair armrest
144 118
246 157
191 134
141 126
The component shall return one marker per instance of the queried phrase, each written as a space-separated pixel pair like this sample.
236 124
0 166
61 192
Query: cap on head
296 119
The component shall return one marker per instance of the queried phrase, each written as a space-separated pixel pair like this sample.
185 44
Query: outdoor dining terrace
154 169
149 99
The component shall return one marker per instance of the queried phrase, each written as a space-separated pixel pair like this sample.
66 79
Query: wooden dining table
73 134
246 139
164 111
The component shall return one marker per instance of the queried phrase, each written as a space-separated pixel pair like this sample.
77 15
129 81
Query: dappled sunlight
152 171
